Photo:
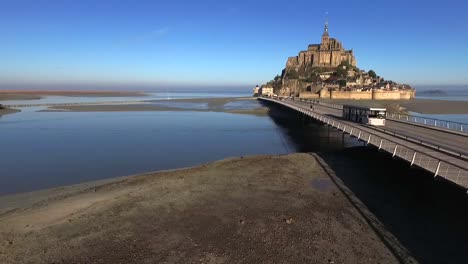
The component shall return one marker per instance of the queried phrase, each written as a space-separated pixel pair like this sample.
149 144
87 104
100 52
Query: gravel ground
260 209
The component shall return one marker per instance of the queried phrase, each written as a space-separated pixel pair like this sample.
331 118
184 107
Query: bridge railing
318 102
446 124
456 126
431 163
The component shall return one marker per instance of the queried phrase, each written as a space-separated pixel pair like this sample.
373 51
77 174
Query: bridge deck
436 151
450 141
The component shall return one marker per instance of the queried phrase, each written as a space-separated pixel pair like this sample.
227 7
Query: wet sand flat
425 106
208 104
7 111
14 96
260 209
37 94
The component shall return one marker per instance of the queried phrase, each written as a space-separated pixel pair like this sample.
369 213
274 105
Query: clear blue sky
151 44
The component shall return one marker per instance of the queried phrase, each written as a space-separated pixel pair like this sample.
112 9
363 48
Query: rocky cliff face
290 87
296 86
296 79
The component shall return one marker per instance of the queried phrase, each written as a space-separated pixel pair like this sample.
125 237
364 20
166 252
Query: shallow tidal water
41 150
50 149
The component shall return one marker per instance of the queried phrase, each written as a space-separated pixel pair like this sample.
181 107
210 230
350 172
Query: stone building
256 91
266 91
329 53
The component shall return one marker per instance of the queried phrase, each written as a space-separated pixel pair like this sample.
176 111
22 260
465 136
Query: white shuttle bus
365 115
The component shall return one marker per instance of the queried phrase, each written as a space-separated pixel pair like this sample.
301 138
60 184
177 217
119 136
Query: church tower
325 36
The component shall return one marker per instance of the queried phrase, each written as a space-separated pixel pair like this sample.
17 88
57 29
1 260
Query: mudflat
260 209
209 104
426 106
6 111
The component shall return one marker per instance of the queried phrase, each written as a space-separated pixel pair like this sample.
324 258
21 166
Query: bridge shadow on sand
428 217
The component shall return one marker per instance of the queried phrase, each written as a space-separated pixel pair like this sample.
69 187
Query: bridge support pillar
342 139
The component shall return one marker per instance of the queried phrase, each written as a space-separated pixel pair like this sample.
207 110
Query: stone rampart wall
407 95
367 95
324 93
308 95
351 95
393 95
386 95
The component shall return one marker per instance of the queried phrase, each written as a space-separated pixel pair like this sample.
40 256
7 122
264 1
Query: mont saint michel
129 133
329 53
327 70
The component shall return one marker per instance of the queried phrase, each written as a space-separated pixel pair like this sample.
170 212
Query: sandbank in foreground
261 209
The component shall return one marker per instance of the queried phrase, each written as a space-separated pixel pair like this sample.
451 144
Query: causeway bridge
439 149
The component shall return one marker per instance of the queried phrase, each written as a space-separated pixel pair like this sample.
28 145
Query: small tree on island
292 74
313 78
342 69
342 83
372 74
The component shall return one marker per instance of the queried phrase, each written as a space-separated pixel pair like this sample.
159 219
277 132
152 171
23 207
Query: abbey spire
325 30
325 36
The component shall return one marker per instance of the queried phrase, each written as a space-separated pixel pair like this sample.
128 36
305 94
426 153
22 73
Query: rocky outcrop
303 71
296 86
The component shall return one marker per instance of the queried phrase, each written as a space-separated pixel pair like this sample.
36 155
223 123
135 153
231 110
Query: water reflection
183 105
46 149
242 105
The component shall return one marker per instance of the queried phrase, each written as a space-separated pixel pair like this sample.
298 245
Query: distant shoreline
422 106
38 94
436 92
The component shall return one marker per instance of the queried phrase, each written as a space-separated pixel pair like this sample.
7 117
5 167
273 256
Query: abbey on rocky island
329 53
327 70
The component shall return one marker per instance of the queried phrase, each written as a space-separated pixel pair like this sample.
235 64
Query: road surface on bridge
444 163
445 139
